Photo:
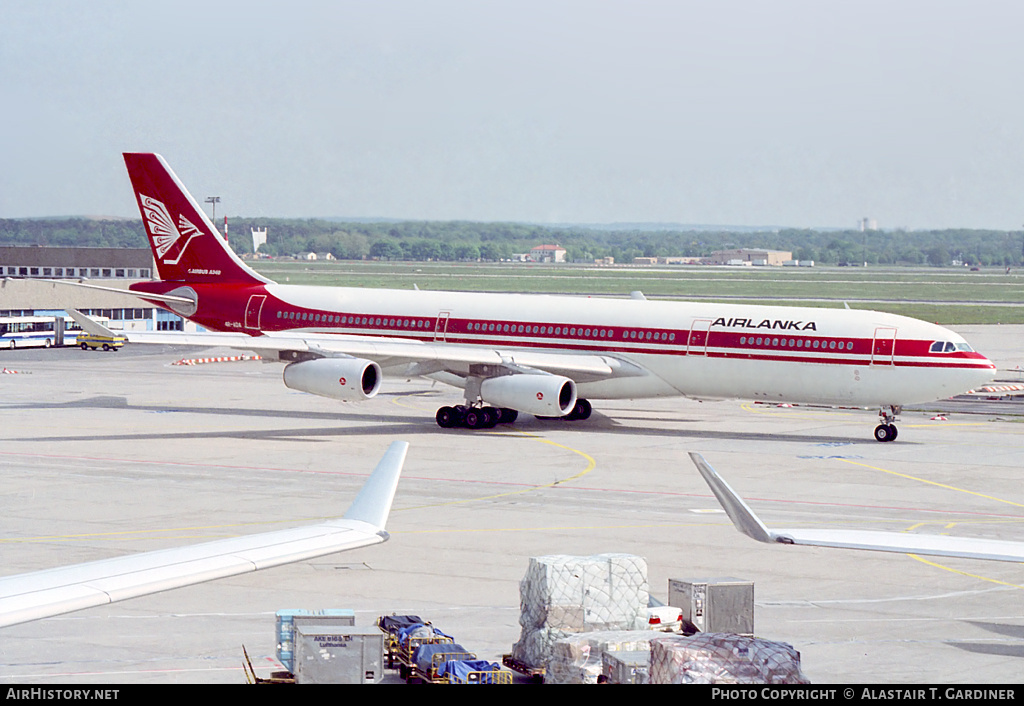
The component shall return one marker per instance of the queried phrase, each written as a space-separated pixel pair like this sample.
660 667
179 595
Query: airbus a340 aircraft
42 594
543 355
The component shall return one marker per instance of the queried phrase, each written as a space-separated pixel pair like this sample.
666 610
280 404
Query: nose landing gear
886 431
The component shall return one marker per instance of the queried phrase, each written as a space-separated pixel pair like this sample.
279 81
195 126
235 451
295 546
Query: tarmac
104 454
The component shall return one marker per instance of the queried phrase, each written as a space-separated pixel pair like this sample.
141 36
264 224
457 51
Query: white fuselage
701 350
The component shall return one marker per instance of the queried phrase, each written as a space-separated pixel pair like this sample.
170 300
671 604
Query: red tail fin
186 246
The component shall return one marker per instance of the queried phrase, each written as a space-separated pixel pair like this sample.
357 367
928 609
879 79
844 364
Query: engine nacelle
543 395
349 379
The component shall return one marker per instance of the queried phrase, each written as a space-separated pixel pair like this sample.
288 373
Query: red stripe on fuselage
222 308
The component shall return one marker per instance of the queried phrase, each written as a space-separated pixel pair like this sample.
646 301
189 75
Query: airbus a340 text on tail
542 355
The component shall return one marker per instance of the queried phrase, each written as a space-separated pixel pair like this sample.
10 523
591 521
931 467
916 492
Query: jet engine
543 395
349 379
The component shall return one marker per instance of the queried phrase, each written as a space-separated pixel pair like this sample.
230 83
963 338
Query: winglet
373 504
899 542
742 516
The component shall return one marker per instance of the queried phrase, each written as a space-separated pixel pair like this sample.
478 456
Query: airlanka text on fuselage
539 354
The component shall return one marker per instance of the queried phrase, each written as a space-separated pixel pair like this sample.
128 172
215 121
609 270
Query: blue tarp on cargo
424 655
458 671
395 623
420 630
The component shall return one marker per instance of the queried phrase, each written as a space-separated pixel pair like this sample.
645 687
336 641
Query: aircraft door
441 328
884 346
253 310
697 343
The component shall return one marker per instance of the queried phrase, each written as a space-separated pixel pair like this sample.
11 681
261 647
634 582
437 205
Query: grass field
943 295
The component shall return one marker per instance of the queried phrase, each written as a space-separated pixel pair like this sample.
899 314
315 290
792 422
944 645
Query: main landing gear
474 417
582 410
886 431
485 417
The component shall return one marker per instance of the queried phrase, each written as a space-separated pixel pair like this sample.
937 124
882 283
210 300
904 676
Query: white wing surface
903 543
386 351
50 592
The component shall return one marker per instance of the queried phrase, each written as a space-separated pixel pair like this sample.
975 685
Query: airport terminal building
26 288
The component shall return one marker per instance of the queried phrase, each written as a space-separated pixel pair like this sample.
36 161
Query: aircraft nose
986 370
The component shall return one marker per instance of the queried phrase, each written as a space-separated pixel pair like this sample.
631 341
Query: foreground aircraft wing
50 592
749 524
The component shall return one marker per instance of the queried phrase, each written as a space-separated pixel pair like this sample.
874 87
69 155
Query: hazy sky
783 112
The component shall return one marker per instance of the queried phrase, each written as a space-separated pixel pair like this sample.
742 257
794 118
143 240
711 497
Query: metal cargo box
632 667
715 604
335 654
287 619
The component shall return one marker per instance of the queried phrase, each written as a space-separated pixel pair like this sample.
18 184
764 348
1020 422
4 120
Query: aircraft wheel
893 432
507 416
885 432
478 418
582 410
447 417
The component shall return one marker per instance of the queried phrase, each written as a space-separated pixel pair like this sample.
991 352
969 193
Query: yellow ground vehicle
107 343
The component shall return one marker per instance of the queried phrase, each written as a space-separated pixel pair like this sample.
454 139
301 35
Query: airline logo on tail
169 241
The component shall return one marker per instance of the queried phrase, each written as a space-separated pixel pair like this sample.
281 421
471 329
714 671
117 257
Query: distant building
749 256
24 290
94 263
666 260
548 253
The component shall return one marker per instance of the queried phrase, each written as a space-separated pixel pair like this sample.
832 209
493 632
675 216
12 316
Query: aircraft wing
427 357
41 594
900 542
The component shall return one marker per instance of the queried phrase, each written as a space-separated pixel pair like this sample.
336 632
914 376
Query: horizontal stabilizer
166 298
88 325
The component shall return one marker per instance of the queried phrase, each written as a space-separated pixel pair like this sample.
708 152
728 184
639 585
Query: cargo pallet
535 673
414 675
283 677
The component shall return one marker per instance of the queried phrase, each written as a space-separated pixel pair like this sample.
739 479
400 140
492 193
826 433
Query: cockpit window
949 347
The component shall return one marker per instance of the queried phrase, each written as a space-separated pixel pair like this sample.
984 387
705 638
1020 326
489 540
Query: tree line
472 241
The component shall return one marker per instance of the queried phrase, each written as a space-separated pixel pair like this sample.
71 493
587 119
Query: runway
104 454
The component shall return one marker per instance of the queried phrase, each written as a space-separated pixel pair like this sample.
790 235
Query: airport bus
40 331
